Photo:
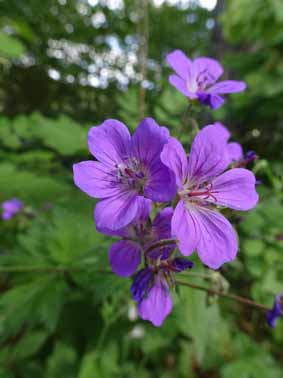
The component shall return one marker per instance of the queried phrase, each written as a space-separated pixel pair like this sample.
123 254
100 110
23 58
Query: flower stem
234 297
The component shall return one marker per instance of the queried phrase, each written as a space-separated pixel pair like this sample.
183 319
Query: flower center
203 80
131 174
202 194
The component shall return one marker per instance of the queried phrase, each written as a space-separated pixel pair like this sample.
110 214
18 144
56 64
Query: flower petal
235 189
208 157
162 223
217 239
180 63
141 284
179 264
157 305
95 179
181 85
148 141
109 142
124 257
161 186
116 212
203 64
235 151
174 157
228 86
185 229
275 312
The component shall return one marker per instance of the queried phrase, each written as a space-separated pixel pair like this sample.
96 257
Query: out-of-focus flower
11 208
276 311
151 289
197 79
202 186
125 255
128 171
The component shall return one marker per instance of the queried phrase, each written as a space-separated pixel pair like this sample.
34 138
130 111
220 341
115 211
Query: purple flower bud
141 284
179 264
275 312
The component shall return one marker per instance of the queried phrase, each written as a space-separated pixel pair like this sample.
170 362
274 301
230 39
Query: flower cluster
10 208
161 203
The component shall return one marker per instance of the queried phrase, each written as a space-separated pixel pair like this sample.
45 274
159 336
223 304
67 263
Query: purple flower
125 255
276 311
197 79
202 186
128 170
151 289
11 208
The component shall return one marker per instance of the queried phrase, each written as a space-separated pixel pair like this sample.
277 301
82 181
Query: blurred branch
142 29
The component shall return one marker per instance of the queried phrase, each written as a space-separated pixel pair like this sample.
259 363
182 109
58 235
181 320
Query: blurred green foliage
62 315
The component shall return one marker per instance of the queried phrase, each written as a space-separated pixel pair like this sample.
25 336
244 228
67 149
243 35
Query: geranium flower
197 79
128 170
11 208
125 255
202 186
151 289
276 312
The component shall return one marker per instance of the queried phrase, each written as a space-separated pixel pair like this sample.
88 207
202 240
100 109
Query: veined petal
235 189
174 157
109 142
180 63
208 157
161 186
217 242
181 85
203 64
125 257
148 141
116 212
141 284
228 86
185 229
95 179
157 305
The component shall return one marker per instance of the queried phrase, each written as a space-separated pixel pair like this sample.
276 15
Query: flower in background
151 289
125 255
128 171
276 311
197 78
11 208
202 186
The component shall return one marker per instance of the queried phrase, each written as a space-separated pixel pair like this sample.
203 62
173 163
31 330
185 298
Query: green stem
234 297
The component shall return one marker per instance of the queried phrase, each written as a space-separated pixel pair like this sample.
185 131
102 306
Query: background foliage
68 64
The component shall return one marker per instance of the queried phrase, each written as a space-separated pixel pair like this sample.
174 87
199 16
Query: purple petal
161 186
162 223
208 157
116 212
141 284
235 189
95 179
179 264
148 142
185 229
109 142
203 64
125 257
10 208
180 63
218 241
207 231
157 305
216 101
228 86
174 157
181 85
235 151
144 209
275 313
